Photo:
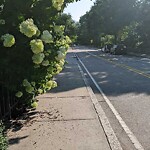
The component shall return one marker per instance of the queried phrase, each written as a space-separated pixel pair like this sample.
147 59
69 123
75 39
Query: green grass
3 139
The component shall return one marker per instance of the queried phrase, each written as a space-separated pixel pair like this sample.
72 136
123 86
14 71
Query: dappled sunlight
145 59
114 59
69 79
114 80
103 76
103 82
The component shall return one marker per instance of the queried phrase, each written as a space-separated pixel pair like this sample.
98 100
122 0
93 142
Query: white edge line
113 141
129 133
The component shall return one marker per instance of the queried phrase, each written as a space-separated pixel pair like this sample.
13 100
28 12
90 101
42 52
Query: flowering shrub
28 28
38 58
37 46
58 4
47 37
8 40
32 46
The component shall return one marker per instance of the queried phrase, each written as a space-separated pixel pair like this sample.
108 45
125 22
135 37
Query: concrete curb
112 139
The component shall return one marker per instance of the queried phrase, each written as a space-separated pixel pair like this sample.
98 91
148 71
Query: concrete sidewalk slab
69 108
62 135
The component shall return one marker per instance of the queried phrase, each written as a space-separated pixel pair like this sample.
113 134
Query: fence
7 103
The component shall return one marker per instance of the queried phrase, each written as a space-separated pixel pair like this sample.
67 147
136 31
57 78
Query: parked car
103 49
107 48
118 49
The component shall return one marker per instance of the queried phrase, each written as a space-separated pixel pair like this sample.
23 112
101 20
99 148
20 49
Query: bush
3 140
32 47
106 39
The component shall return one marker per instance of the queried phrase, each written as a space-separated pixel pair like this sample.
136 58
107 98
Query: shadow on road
113 79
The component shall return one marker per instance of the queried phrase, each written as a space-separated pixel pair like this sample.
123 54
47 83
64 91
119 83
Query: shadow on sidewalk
16 140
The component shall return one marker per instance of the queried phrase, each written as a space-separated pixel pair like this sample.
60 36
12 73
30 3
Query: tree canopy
126 20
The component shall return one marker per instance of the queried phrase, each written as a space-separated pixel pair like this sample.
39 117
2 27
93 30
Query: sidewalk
64 120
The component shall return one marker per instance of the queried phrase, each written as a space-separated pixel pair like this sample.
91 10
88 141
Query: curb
110 135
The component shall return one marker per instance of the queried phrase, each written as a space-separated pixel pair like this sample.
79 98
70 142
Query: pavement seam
66 120
110 135
64 97
129 133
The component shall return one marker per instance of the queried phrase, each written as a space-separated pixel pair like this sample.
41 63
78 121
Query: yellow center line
123 66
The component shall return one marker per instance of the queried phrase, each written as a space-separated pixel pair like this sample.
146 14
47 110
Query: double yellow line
123 66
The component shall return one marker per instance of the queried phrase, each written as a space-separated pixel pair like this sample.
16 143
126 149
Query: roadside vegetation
33 46
71 27
3 139
117 22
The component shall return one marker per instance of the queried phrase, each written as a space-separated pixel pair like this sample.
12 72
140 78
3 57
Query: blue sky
78 9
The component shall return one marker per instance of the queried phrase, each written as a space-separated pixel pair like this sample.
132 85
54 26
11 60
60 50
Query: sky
78 9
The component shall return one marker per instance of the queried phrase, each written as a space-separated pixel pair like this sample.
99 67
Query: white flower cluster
2 21
8 40
59 68
65 41
47 37
37 46
51 84
34 105
61 63
57 4
19 94
61 53
28 28
28 87
38 58
59 29
45 63
68 40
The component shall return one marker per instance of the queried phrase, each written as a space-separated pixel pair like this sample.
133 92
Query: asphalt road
126 82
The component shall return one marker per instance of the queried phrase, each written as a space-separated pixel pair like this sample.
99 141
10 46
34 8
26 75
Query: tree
83 35
143 29
71 27
108 17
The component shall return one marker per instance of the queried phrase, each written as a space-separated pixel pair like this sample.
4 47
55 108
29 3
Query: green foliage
106 39
71 27
107 17
33 46
143 30
126 21
3 139
129 35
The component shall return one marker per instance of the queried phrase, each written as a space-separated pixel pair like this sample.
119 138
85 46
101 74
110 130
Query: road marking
123 66
129 133
112 139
